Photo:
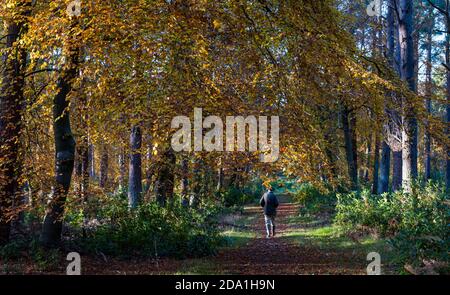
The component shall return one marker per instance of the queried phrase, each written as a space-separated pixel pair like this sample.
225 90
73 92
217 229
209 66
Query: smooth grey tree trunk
64 144
135 168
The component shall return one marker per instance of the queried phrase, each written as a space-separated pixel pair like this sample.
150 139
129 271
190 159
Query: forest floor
301 246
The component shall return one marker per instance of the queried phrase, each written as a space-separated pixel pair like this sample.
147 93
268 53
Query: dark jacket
270 203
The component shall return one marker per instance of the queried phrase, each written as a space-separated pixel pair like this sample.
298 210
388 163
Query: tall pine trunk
385 161
409 121
397 161
428 93
447 61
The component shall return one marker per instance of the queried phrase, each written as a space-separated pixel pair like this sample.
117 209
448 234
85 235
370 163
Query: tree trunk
409 130
428 93
185 180
397 168
135 172
148 167
385 166
197 183
350 149
331 153
166 178
354 144
447 61
11 106
83 158
91 159
369 160
64 144
385 163
122 168
220 177
395 117
376 165
104 167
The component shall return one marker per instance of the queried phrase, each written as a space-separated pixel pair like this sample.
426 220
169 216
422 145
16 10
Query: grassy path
299 248
295 249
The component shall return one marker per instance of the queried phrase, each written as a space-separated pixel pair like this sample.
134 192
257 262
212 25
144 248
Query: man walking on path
270 204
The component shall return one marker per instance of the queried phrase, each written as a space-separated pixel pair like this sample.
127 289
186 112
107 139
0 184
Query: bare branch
438 8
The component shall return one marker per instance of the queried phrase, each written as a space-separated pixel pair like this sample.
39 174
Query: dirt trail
281 255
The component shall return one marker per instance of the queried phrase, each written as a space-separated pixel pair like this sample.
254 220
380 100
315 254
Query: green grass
237 238
331 238
197 267
306 220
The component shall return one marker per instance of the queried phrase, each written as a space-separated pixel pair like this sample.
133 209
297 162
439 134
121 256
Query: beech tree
64 140
11 108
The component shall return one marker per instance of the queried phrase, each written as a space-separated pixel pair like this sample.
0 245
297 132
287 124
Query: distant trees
443 7
402 38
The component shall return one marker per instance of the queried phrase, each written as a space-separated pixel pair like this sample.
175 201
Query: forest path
298 248
287 253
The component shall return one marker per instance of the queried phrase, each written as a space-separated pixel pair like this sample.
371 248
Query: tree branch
41 71
438 8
